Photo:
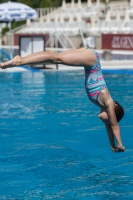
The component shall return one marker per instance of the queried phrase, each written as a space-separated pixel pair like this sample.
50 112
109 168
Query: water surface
53 146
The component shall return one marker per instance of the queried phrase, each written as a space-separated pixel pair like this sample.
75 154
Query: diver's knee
57 58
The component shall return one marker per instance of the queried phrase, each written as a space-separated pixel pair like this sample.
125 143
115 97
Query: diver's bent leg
79 57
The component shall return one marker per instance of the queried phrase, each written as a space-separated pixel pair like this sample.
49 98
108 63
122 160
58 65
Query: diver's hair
119 111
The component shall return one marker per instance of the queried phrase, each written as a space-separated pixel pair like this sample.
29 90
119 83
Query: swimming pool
53 146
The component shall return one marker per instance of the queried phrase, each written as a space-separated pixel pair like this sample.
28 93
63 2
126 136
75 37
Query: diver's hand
118 149
16 61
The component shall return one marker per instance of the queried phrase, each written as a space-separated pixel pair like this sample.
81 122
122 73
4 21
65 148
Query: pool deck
107 65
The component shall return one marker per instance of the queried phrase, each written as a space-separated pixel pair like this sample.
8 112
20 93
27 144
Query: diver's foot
16 61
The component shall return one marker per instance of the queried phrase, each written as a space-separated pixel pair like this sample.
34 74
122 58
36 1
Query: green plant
4 30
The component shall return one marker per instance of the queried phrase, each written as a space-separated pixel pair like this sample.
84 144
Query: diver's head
119 112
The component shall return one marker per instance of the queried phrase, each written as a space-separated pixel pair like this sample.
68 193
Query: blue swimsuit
94 81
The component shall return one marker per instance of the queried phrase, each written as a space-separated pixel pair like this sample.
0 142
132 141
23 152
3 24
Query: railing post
56 66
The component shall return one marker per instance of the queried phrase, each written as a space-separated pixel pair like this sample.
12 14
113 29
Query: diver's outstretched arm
74 57
110 136
106 100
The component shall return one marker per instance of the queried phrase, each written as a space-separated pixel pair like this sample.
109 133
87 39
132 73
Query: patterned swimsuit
94 81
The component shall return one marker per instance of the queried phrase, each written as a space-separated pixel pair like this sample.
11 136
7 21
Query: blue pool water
52 144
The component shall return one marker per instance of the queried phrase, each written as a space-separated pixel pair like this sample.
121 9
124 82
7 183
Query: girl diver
111 111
